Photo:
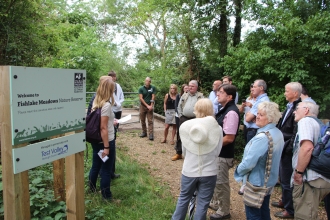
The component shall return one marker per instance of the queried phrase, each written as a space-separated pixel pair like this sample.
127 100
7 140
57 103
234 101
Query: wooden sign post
42 113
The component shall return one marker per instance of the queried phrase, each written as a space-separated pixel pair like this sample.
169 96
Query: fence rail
131 99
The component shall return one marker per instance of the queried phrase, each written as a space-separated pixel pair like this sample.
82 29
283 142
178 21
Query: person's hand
248 104
150 107
105 152
115 121
297 178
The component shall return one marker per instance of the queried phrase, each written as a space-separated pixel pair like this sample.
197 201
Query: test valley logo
54 152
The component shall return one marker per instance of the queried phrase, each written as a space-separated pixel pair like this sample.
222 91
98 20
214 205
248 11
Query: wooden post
16 197
59 184
74 176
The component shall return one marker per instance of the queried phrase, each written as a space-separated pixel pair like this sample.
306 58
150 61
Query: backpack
320 160
93 123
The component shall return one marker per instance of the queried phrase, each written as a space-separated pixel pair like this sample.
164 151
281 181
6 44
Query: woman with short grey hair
253 165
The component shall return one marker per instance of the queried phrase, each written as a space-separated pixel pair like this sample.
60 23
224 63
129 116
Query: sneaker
151 137
216 216
177 157
142 135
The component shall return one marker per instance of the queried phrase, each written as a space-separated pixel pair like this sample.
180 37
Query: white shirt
119 99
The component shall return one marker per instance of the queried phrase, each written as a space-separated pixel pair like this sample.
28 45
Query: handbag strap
269 157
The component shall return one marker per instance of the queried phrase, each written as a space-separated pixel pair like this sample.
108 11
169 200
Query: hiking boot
142 135
278 204
177 157
151 137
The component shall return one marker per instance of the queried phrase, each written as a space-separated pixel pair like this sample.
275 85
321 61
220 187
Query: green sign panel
46 102
33 155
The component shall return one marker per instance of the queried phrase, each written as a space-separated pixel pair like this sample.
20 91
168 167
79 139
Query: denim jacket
255 157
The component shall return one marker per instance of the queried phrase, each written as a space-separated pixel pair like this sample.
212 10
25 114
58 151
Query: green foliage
136 195
286 48
42 202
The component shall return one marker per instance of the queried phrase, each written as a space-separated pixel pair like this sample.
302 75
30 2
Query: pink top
230 123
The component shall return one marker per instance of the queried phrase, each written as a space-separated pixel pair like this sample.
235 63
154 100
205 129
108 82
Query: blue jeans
259 214
204 187
250 133
285 178
104 168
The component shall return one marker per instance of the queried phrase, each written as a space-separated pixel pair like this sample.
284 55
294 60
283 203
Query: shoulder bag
254 195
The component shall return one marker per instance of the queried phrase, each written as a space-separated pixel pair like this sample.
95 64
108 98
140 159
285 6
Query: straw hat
200 135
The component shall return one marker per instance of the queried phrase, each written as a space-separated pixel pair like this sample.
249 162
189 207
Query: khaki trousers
307 197
221 196
145 113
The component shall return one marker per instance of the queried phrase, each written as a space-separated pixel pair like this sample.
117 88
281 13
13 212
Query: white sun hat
200 135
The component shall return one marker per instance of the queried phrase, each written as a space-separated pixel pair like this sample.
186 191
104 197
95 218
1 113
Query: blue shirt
254 110
255 157
214 99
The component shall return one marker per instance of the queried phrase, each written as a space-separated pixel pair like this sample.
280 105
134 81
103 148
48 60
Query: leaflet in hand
102 158
124 119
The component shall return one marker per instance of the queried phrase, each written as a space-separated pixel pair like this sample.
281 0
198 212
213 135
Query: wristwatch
301 173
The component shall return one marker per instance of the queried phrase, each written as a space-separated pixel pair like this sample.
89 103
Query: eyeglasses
300 107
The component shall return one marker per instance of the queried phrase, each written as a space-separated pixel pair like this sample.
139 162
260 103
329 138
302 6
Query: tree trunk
238 22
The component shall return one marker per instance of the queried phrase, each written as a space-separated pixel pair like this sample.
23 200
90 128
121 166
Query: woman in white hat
201 145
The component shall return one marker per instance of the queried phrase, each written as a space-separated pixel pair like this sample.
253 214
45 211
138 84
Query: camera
243 100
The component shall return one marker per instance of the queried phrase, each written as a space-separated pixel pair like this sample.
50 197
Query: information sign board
46 102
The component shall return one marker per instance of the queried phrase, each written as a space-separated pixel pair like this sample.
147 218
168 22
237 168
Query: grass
140 195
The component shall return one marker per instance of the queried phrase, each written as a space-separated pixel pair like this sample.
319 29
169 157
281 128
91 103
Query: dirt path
156 157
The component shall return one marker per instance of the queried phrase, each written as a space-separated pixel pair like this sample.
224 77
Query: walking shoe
177 157
216 216
142 135
283 214
278 204
151 137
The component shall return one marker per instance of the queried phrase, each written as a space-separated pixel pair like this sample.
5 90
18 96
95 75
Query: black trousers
117 116
178 145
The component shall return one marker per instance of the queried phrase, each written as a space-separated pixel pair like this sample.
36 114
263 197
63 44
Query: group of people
206 135
206 129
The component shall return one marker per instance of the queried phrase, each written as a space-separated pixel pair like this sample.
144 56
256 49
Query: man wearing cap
228 119
213 95
147 98
186 112
259 91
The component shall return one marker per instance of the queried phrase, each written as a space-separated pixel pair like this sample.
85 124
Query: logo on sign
54 152
78 82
